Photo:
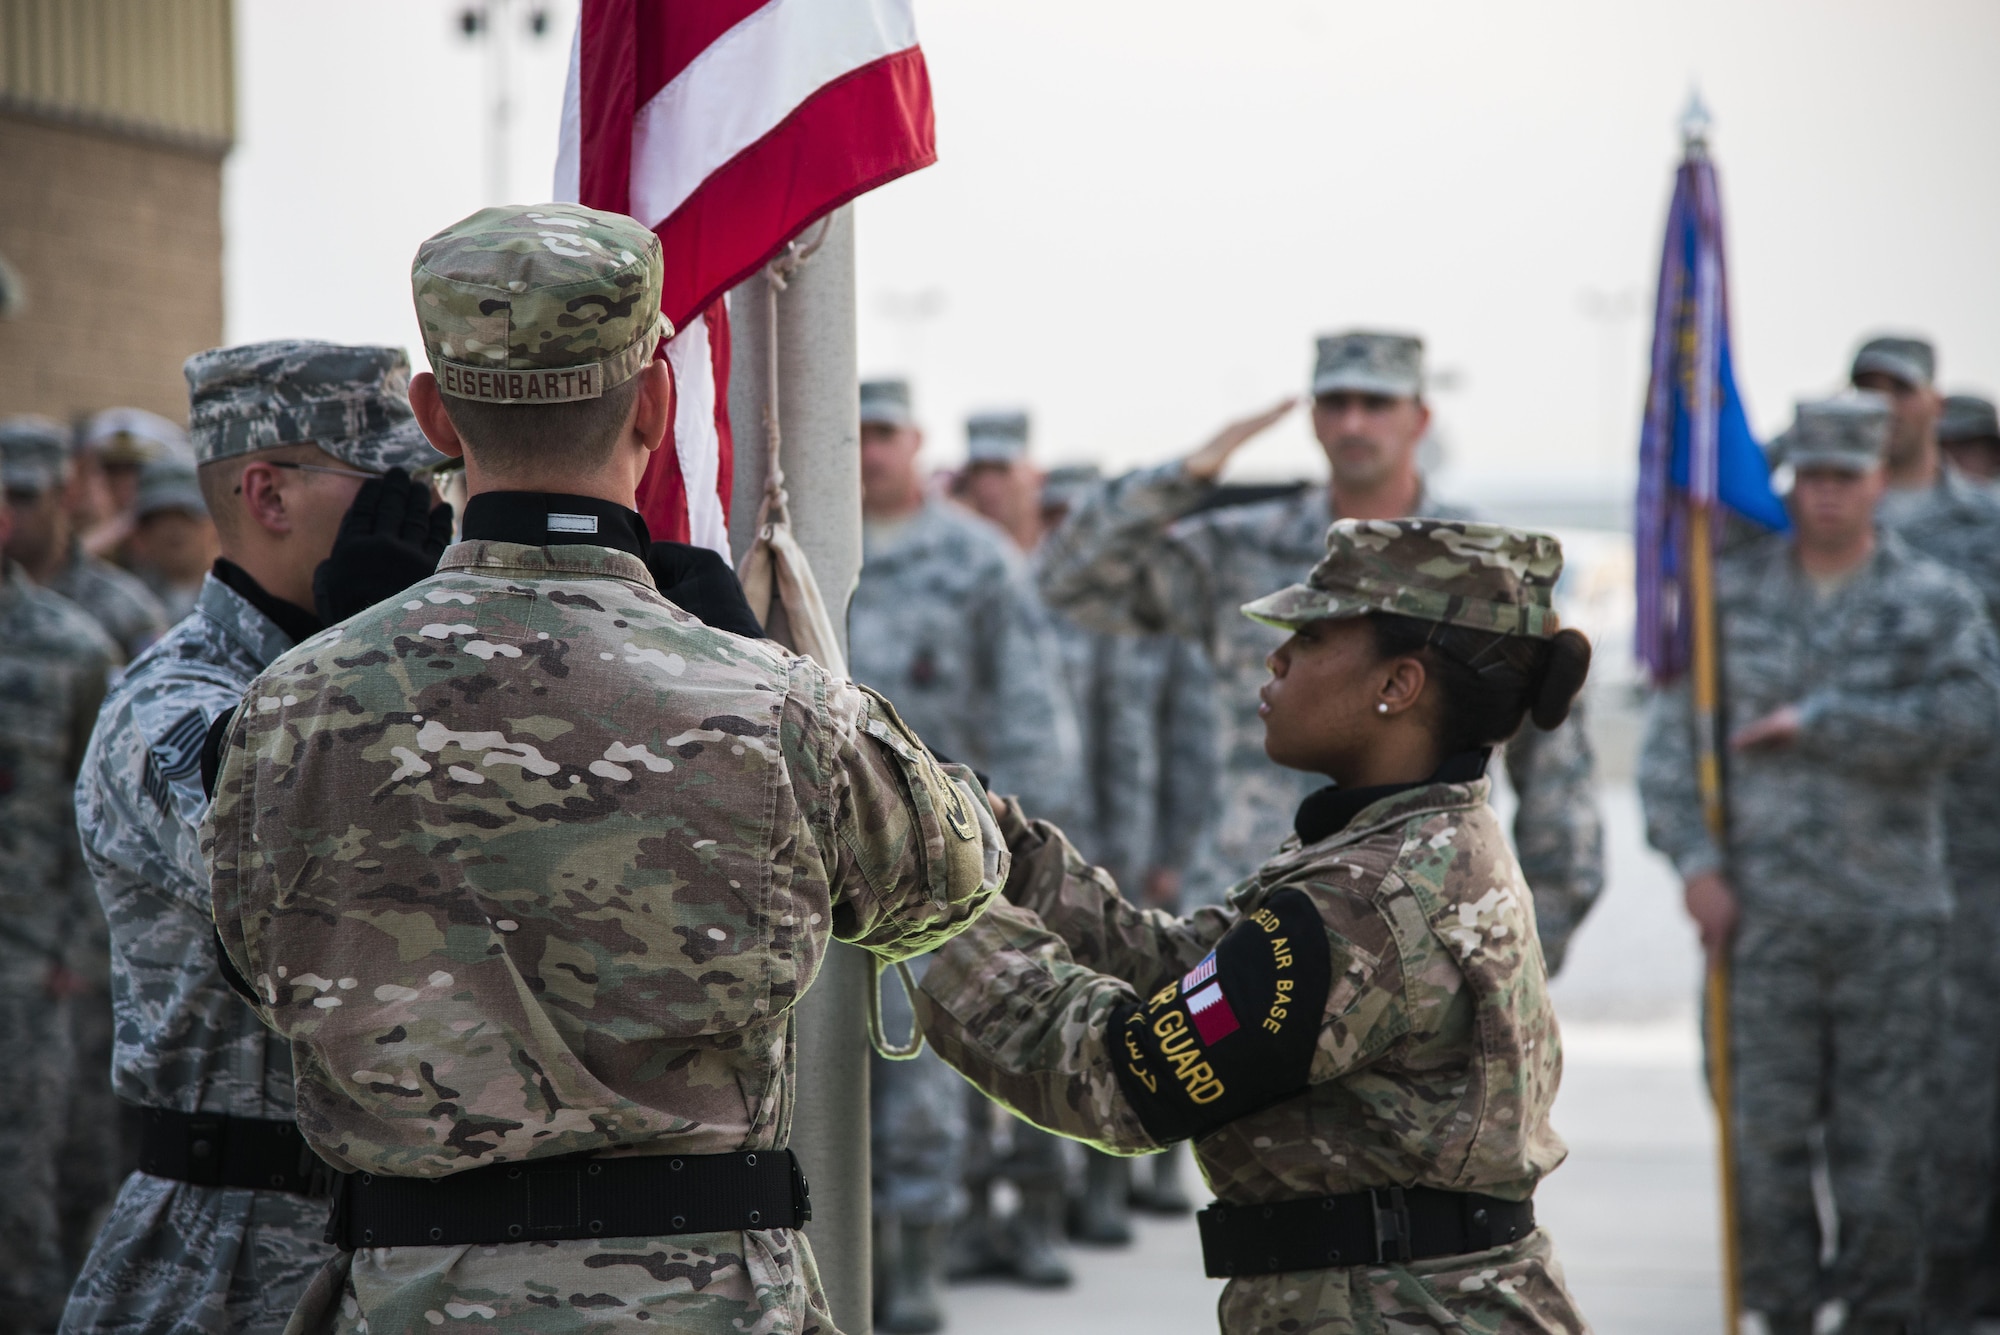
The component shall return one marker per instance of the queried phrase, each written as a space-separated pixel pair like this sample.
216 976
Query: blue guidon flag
1695 448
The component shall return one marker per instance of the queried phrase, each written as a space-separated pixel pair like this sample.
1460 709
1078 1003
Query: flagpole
1704 687
820 455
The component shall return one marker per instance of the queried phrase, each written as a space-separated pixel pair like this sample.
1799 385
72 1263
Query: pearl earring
1382 707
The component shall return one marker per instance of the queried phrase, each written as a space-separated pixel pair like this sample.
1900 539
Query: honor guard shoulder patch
1236 1033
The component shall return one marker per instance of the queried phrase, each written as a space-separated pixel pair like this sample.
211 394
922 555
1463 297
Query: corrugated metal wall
156 68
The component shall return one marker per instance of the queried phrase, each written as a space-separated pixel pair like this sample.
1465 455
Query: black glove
700 583
391 537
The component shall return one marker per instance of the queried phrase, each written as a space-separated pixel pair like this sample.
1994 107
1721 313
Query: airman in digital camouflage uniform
946 623
287 434
1359 1041
1941 513
531 867
49 547
1855 674
55 664
1144 557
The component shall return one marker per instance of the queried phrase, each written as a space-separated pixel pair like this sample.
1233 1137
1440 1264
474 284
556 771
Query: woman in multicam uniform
1360 1042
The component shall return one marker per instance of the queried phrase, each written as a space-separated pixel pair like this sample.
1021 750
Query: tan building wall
114 119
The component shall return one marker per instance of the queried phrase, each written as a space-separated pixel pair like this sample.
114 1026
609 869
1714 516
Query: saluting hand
1780 727
1205 464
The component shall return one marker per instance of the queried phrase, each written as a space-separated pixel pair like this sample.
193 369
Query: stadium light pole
820 453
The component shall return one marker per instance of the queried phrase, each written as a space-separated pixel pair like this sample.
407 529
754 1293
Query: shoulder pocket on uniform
1236 1033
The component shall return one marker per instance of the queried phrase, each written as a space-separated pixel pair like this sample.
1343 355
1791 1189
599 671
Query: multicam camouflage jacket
1127 560
1421 1047
945 621
1956 523
54 668
530 862
1896 673
174 1255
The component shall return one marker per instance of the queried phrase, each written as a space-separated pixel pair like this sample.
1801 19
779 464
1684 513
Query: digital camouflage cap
1460 573
1967 417
886 403
34 453
1910 360
542 303
1848 431
1364 361
996 437
353 401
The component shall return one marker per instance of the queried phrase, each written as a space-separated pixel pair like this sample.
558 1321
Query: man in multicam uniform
1940 513
287 434
48 544
945 622
1855 673
54 666
1136 559
1360 1041
531 867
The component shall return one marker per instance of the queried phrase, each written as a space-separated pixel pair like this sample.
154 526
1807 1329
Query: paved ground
1632 1211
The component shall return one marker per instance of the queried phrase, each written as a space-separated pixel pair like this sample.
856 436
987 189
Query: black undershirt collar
1328 811
554 519
295 622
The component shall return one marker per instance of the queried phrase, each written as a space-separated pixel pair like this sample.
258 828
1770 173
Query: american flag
729 126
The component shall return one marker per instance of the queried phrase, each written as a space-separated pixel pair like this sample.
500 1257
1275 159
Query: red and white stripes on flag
728 126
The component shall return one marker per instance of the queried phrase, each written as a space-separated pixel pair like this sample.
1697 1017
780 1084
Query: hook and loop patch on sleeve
1236 1033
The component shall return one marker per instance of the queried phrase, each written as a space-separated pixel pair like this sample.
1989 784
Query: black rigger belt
218 1150
1385 1225
575 1196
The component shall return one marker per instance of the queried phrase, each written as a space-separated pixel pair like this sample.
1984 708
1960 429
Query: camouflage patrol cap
34 453
1068 484
1460 573
1369 362
996 437
168 484
541 303
131 437
351 401
1910 360
886 403
1848 431
1967 417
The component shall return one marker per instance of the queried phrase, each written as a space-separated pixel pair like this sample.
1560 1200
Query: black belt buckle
1392 1224
802 1199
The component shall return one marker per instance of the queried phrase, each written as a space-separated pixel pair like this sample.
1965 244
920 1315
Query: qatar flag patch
1211 1014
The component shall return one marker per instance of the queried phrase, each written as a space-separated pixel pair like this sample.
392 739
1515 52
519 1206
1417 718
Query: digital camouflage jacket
1407 1038
1896 674
174 1256
1133 558
55 665
530 862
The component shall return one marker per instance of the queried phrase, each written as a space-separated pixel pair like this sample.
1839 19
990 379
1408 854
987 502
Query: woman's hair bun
1562 677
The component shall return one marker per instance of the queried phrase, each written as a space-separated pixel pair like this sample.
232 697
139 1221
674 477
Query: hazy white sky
1142 212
